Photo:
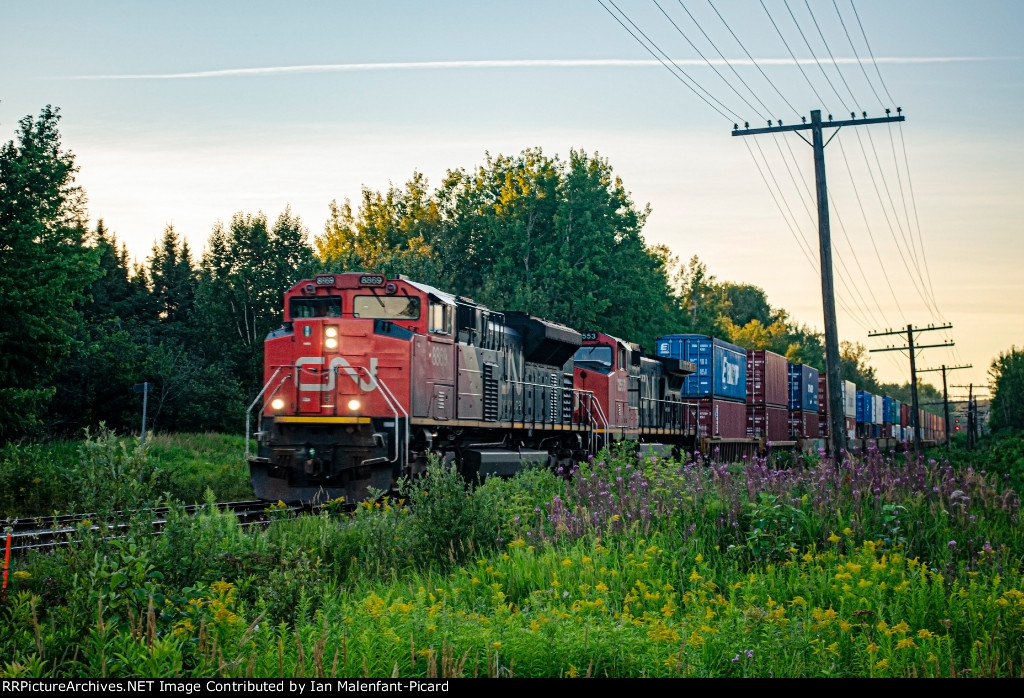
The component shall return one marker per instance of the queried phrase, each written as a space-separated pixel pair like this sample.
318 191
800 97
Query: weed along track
41 534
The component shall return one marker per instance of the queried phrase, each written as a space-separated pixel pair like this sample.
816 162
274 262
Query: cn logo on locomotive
337 362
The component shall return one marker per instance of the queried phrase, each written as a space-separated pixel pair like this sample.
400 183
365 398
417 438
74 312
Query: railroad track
44 534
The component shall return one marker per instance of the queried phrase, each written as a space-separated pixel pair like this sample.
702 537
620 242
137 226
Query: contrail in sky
543 63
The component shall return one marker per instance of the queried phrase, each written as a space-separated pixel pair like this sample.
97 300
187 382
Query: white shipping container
850 399
878 410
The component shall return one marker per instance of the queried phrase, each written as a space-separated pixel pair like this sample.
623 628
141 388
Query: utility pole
972 414
828 301
945 392
914 422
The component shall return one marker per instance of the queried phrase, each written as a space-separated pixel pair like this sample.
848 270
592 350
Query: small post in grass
144 389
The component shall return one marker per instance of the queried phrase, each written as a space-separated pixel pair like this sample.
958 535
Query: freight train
369 376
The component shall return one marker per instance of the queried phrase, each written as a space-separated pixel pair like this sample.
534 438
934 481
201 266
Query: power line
871 53
791 54
856 55
867 226
823 41
710 64
726 60
794 109
811 50
680 70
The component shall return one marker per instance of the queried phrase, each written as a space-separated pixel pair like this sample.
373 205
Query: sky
185 113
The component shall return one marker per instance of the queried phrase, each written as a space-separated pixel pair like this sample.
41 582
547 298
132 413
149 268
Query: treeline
80 324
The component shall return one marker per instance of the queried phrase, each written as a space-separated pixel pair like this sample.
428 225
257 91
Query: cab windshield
600 357
319 306
386 307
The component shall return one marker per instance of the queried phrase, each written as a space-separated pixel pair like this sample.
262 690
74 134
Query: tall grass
878 566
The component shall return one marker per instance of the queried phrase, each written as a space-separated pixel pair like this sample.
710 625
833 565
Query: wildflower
833 538
952 544
906 643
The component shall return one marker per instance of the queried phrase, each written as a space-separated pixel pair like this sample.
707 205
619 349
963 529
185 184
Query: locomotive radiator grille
490 393
566 398
553 399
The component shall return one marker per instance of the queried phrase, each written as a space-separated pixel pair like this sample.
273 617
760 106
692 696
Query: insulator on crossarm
864 114
746 124
803 119
853 115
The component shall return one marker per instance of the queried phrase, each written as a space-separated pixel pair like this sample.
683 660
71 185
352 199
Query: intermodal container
850 399
715 418
851 427
767 378
803 388
768 422
823 406
879 410
803 424
904 416
721 367
865 407
887 409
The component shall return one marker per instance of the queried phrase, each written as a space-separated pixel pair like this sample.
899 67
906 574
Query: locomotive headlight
331 343
331 332
354 405
277 403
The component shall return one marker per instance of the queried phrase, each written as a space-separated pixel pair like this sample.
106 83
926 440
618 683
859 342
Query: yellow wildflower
833 538
906 643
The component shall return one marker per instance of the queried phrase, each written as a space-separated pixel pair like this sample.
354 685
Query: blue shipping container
721 367
865 407
887 412
803 387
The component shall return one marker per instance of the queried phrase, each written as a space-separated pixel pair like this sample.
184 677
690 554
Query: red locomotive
368 376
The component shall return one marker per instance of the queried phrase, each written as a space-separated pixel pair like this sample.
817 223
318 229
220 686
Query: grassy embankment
879 567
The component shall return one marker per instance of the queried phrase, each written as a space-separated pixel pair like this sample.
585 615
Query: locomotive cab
334 420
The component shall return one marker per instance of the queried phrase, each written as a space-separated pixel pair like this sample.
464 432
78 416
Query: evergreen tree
1007 374
45 268
94 383
244 272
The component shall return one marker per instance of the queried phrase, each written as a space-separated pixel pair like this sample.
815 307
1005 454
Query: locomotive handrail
392 402
248 412
675 405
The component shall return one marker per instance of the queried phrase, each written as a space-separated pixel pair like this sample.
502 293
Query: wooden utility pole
913 369
972 414
945 392
837 427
